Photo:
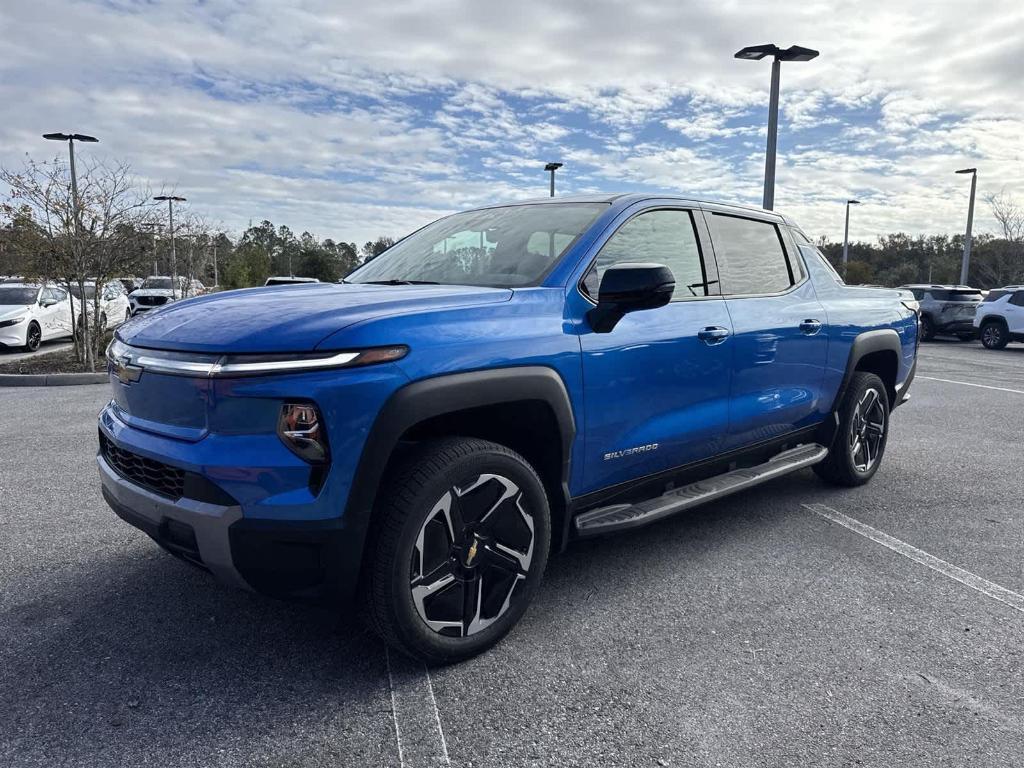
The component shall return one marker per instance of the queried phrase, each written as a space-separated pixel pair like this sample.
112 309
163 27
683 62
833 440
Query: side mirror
47 303
630 288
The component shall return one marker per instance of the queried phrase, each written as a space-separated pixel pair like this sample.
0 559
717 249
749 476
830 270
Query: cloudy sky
358 119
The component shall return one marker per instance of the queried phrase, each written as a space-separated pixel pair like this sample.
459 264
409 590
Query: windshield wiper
402 282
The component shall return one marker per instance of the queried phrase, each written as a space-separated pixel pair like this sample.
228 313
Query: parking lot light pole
171 200
966 263
76 246
846 234
552 167
779 55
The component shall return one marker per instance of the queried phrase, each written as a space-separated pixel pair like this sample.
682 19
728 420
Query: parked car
1000 318
946 309
114 305
31 314
158 290
493 386
130 283
290 280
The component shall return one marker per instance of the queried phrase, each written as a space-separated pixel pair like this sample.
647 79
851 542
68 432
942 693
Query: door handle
810 327
713 334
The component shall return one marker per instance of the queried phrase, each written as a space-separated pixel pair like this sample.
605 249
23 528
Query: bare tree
1008 213
112 210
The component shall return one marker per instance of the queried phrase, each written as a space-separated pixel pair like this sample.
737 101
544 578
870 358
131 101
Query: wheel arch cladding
876 352
524 401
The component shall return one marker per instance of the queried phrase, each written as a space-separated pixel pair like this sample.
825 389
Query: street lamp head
793 53
968 170
175 198
553 166
853 202
70 137
756 52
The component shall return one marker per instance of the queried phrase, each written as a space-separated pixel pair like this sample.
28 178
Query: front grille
151 301
160 478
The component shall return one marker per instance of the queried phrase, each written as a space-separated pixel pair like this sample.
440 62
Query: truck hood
288 318
152 292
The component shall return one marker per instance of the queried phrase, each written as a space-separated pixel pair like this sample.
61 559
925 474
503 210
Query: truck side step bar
620 517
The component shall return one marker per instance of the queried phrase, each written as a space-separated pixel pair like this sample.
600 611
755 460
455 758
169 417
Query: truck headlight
300 427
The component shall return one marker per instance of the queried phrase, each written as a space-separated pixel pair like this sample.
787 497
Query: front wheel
994 335
457 549
863 430
33 337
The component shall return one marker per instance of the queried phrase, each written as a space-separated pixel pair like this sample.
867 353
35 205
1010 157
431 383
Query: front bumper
298 560
14 335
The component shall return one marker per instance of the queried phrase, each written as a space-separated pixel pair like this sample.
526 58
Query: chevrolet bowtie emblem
471 554
125 372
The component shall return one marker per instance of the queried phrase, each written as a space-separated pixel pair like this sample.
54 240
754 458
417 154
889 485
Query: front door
657 386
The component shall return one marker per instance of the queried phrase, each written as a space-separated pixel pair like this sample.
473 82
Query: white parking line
418 731
970 384
986 587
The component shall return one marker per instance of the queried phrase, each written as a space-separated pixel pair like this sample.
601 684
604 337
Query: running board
620 517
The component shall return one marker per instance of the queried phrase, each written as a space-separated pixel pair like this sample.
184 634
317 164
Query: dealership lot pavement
756 631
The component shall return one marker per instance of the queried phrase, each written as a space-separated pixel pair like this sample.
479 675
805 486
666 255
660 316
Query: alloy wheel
471 554
867 430
34 337
991 335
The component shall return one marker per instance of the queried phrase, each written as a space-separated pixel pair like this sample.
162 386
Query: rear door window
995 295
751 256
1018 299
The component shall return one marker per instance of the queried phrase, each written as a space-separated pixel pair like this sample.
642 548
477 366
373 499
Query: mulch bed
52 362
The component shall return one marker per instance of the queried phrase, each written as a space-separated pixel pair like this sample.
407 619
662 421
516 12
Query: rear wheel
33 337
458 549
927 328
994 335
863 430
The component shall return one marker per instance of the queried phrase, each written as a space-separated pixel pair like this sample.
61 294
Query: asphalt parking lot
795 624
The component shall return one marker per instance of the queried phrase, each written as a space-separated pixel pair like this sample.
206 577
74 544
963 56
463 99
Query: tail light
301 428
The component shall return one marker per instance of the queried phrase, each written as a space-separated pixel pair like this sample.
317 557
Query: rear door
1015 312
780 329
657 386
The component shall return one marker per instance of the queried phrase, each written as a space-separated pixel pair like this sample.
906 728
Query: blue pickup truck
497 384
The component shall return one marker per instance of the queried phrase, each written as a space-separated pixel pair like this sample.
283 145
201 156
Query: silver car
946 309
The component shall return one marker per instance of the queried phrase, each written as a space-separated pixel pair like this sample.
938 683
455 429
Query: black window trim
786 252
703 237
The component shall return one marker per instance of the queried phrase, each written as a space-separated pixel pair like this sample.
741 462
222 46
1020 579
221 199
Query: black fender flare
866 343
424 399
995 318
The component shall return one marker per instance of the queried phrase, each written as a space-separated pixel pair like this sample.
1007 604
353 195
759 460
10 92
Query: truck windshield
503 247
161 283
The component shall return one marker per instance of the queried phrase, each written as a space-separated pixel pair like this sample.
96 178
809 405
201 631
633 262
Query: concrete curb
51 379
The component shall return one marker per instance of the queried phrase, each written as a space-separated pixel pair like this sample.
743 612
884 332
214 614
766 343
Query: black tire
927 328
127 315
33 337
845 464
994 334
429 500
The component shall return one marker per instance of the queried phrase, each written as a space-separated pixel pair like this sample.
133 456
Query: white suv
1000 318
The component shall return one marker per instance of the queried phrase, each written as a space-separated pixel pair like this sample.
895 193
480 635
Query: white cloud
354 119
